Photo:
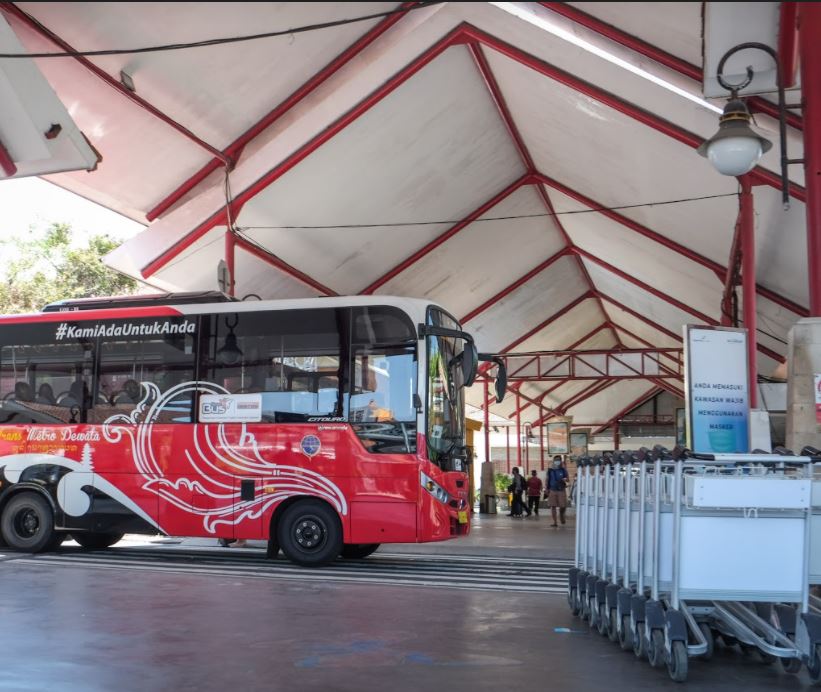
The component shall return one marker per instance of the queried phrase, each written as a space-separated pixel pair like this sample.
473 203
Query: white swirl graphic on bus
215 464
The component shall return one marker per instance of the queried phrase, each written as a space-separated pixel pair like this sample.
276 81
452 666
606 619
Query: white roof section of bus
434 150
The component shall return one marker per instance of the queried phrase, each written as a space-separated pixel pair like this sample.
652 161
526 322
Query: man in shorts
557 489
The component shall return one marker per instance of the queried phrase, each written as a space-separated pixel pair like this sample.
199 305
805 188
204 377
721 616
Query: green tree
47 268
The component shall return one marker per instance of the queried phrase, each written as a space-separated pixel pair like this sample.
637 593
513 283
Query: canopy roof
456 152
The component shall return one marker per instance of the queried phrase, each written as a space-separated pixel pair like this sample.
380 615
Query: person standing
557 489
534 492
518 487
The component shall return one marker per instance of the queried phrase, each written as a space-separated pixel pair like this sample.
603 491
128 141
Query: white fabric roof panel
464 272
673 26
601 407
514 315
565 330
648 261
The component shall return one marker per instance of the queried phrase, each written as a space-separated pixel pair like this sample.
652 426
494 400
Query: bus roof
155 306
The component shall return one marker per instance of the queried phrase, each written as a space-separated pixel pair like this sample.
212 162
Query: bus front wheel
357 551
91 540
27 523
309 533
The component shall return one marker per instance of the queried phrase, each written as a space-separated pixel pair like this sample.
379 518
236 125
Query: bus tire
310 533
357 551
27 523
56 541
91 540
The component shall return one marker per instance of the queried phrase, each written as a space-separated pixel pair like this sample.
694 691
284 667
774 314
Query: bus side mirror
501 381
470 363
501 374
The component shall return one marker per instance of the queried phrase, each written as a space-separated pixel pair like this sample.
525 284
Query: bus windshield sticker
235 408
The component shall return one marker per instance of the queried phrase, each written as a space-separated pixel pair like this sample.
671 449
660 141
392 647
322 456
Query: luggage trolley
669 555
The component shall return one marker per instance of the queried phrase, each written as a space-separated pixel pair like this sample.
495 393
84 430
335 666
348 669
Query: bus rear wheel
27 523
310 533
356 551
96 541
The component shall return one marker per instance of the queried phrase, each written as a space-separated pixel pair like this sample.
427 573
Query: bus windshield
446 405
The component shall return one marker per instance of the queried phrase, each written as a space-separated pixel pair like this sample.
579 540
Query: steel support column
747 243
809 42
519 431
507 446
230 254
487 426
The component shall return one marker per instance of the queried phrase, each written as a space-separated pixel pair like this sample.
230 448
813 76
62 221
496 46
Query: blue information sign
718 398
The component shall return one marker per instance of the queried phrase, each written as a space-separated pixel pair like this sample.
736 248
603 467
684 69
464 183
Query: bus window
144 367
383 380
293 358
45 375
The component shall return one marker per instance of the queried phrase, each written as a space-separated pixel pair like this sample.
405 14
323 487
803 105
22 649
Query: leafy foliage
49 268
502 482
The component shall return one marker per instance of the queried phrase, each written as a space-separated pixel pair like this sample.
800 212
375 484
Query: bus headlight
435 489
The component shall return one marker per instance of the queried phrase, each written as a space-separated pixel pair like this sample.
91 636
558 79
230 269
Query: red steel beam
556 315
788 42
655 325
644 398
518 142
761 175
507 290
731 277
589 392
575 344
663 57
6 162
652 290
454 37
39 28
719 269
452 231
283 266
809 39
230 256
669 387
746 223
234 149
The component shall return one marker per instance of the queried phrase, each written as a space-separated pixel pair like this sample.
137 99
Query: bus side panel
383 522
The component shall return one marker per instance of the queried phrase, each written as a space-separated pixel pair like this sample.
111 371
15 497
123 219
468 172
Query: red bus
325 426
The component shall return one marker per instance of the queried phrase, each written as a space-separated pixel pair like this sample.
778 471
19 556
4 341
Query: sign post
718 396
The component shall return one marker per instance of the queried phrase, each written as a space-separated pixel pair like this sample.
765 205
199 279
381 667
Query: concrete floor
77 628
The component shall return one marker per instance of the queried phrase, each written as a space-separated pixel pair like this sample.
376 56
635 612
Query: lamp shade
734 155
735 149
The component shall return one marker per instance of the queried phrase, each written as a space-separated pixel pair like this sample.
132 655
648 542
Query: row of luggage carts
676 550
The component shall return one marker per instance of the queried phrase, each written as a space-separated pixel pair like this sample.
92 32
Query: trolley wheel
358 551
625 636
27 523
573 601
612 626
767 659
655 652
728 641
707 631
814 666
310 533
96 541
639 645
585 611
593 615
603 620
791 666
677 661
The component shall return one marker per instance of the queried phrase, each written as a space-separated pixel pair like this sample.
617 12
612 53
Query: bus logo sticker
310 446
